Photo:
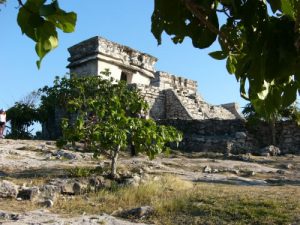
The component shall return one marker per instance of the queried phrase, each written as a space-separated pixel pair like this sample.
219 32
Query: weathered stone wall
165 80
234 136
87 69
175 108
174 104
98 49
233 108
287 135
51 129
155 98
213 135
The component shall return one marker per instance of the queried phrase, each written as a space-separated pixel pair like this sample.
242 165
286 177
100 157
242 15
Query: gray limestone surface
45 217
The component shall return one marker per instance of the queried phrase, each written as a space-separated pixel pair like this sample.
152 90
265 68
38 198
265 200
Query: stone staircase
199 109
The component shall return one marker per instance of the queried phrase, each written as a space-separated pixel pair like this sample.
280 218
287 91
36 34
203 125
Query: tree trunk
114 162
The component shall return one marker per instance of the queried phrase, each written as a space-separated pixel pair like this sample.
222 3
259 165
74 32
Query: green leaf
287 8
230 65
48 10
28 22
219 55
64 21
265 91
39 22
289 94
46 40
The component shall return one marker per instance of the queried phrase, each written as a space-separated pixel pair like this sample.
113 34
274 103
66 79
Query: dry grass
181 202
12 205
37 181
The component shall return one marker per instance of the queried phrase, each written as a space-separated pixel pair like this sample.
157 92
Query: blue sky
127 22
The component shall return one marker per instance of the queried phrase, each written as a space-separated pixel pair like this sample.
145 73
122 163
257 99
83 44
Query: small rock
270 150
265 154
8 189
42 147
79 188
8 216
134 181
65 187
96 183
28 193
4 216
289 166
107 183
49 157
207 169
280 171
117 212
240 135
252 173
140 212
156 178
48 203
236 171
49 143
215 171
50 191
67 155
145 178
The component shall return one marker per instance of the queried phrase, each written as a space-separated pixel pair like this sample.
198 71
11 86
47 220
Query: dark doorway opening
124 77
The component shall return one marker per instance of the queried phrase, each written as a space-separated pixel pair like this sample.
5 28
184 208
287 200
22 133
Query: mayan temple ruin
174 101
169 96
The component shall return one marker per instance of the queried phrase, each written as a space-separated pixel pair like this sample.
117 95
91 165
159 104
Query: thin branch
224 10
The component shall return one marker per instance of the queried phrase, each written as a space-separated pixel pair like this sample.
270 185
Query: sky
127 22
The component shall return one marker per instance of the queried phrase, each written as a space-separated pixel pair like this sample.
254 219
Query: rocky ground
65 172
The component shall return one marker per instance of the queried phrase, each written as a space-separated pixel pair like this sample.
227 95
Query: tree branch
224 10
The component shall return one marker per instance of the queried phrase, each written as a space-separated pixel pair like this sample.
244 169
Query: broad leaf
39 22
64 21
287 8
219 55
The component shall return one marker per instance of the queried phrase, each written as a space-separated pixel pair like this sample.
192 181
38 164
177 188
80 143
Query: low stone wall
234 136
287 135
165 80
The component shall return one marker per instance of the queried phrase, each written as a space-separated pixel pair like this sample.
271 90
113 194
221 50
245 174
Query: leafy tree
105 115
21 116
53 101
260 39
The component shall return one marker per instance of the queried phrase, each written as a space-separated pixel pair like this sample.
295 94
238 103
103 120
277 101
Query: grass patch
181 202
178 202
85 171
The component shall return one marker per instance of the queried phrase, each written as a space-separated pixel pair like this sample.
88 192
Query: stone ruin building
174 100
169 96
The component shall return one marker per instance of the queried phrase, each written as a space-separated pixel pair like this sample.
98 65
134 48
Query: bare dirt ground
20 160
